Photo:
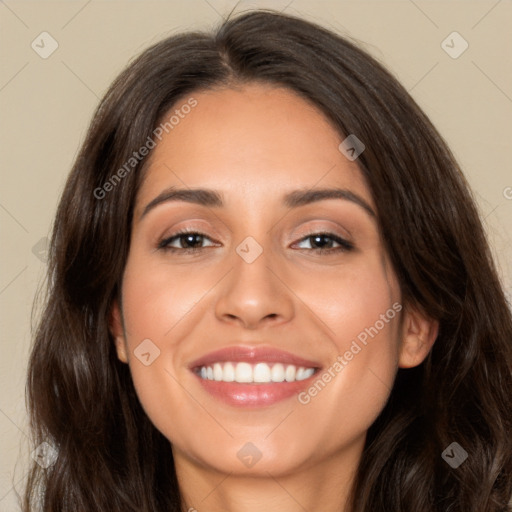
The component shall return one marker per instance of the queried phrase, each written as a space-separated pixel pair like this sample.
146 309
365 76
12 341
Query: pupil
190 239
319 237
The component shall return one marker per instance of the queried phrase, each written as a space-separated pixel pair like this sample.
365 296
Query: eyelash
345 245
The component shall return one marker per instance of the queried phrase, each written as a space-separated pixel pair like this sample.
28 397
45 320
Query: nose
256 293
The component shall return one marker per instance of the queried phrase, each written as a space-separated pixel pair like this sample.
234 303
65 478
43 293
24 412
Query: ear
419 332
117 331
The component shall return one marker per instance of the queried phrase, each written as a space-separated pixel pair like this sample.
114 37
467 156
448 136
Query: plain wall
46 105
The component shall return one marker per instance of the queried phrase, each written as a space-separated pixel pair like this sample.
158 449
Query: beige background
46 105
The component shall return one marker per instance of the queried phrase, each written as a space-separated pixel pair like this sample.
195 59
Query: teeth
277 373
243 372
261 373
228 372
255 373
304 373
290 373
217 371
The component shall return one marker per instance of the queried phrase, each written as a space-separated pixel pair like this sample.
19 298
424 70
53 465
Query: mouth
259 373
253 377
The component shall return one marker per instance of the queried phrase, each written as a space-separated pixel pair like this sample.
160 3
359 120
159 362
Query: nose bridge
253 261
253 264
253 290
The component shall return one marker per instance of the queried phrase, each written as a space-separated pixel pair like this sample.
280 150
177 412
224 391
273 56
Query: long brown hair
81 398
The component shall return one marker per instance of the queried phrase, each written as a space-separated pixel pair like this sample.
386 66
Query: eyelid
319 225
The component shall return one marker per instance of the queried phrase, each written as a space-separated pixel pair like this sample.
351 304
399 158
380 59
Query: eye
324 241
190 241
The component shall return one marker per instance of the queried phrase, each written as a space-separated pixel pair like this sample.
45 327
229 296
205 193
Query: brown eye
322 242
188 241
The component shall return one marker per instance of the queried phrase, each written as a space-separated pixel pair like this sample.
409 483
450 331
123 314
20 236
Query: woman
269 290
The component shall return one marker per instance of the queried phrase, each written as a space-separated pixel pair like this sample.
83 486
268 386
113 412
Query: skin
254 144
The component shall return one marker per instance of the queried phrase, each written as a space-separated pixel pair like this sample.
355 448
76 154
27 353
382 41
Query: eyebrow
296 198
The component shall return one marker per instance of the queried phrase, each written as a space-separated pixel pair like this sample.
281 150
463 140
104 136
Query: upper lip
248 354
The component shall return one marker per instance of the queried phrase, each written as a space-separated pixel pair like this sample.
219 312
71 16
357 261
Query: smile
254 377
258 373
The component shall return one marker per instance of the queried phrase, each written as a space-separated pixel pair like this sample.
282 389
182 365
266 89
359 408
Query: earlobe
418 336
117 331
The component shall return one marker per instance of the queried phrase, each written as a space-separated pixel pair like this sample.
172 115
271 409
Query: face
268 336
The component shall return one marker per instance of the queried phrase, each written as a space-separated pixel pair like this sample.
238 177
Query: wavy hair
81 398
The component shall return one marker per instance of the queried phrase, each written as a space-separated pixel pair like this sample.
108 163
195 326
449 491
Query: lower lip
254 395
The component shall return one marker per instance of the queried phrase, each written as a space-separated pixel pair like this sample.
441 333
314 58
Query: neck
323 486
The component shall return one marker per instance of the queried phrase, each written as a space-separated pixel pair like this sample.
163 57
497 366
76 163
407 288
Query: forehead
253 138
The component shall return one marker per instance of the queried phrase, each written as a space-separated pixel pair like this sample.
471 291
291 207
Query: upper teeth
259 372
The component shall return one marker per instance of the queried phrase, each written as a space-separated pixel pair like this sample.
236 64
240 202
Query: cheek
355 302
159 300
160 305
362 324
